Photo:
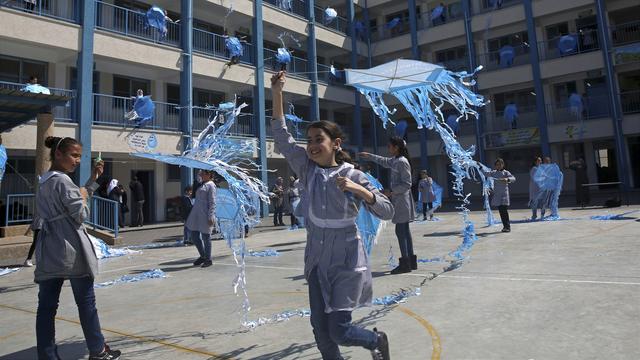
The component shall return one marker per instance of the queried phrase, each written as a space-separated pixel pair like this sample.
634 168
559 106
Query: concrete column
471 53
186 85
312 61
259 96
85 87
44 130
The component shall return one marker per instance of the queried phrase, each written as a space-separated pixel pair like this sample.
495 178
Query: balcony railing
19 209
60 113
489 5
67 10
133 24
427 20
338 24
214 44
244 125
297 67
625 33
584 42
594 107
527 117
296 7
110 110
456 65
630 102
493 60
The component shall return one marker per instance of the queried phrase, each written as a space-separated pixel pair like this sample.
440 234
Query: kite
507 53
511 115
424 89
548 178
36 89
567 45
143 110
156 17
330 14
369 226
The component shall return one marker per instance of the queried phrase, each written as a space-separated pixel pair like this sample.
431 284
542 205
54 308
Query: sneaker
27 263
107 354
206 263
506 230
198 261
381 352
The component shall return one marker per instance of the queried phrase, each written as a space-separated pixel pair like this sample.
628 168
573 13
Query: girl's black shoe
381 352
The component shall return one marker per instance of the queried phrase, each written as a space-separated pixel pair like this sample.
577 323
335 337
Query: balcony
493 60
60 113
109 110
338 24
131 23
595 107
245 124
66 10
527 117
490 5
582 43
296 7
208 43
456 65
297 67
624 34
425 20
630 102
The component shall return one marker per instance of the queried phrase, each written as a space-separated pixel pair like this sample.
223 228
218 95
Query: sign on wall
511 138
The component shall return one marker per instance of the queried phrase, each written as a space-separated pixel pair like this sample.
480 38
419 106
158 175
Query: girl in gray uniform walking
336 265
202 220
401 198
501 192
64 250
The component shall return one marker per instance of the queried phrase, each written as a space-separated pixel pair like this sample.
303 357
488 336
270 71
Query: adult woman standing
401 199
202 220
64 250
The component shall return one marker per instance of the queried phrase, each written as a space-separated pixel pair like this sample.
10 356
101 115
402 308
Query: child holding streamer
400 194
501 191
427 196
336 265
202 220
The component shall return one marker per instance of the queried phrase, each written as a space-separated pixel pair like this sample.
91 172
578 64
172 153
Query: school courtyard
567 289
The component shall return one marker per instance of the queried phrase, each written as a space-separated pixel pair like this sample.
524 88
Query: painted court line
534 279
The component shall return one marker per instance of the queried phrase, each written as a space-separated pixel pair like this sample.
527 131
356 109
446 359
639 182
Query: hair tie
58 144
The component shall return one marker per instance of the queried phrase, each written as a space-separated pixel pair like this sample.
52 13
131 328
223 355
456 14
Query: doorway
606 163
634 155
147 179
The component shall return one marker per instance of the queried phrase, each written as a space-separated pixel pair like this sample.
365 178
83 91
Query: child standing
202 218
501 192
336 265
64 250
401 198
535 202
425 187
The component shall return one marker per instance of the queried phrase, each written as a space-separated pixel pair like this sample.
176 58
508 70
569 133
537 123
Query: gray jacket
425 187
64 249
501 188
334 246
400 184
203 210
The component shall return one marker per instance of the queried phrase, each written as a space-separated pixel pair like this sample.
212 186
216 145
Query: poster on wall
627 54
511 138
142 142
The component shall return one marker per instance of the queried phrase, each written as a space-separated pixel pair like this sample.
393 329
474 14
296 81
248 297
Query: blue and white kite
285 5
214 150
330 14
424 89
393 23
369 226
143 110
36 89
233 46
401 128
156 17
295 120
567 44
507 53
511 115
549 179
3 161
283 58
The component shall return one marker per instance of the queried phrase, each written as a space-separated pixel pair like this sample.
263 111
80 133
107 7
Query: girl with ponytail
336 265
401 198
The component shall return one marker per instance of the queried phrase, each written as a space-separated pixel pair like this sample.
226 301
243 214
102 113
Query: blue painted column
614 98
186 86
85 86
471 52
356 132
534 59
258 94
372 116
415 53
312 61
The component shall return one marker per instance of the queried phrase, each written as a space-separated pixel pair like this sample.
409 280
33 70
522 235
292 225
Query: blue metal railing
60 113
593 107
625 33
297 67
110 110
67 10
133 24
296 7
491 60
244 125
209 43
490 5
451 13
630 102
103 214
19 209
338 24
585 41
456 64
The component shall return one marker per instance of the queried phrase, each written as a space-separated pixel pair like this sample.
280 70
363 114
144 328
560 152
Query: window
127 86
403 25
173 173
557 30
73 80
201 25
19 70
602 157
203 97
514 40
173 93
522 98
571 152
519 161
562 91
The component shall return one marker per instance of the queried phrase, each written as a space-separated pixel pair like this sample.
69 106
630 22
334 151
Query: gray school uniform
425 187
533 187
500 188
203 210
64 249
334 246
400 184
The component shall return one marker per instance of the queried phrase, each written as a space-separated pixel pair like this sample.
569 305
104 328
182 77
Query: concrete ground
548 290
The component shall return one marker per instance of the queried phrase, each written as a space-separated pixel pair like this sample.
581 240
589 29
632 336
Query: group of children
336 265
